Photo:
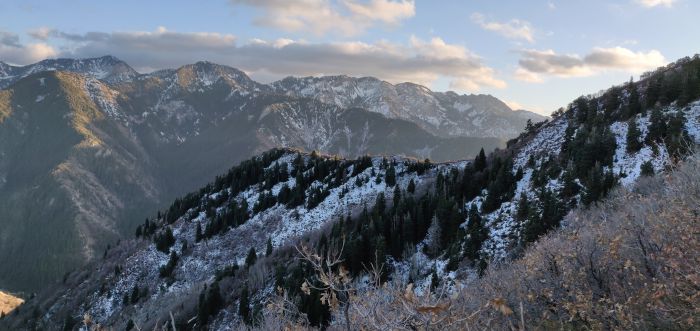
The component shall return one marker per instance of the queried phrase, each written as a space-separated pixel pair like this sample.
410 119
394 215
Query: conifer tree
647 169
633 142
244 306
480 161
657 126
251 258
523 208
135 295
390 176
477 234
634 106
198 233
268 249
411 188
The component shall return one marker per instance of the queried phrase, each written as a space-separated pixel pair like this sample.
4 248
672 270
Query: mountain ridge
114 71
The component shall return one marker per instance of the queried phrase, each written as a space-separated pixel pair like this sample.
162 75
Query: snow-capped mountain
111 145
107 68
445 114
199 261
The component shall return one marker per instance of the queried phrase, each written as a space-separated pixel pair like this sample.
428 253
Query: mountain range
89 147
228 254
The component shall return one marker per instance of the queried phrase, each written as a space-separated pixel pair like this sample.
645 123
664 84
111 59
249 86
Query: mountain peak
106 68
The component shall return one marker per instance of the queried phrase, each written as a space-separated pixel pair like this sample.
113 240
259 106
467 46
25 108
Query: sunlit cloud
655 3
344 17
513 29
534 65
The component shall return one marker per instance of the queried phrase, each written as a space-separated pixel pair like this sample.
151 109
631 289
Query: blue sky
535 54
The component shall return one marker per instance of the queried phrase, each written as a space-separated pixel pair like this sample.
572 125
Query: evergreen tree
251 258
647 169
523 208
198 233
390 176
166 271
411 187
657 126
434 279
210 302
634 106
480 161
633 134
477 234
135 295
268 249
244 306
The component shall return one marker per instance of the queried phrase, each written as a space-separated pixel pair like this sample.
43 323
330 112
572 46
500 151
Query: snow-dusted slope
139 261
445 114
106 68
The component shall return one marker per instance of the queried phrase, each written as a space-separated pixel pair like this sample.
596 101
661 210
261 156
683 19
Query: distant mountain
97 146
443 114
107 68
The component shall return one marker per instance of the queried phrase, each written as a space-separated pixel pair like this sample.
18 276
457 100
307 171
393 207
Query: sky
537 54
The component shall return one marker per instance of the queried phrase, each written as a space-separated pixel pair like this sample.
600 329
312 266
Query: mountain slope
67 173
443 114
99 148
107 68
425 223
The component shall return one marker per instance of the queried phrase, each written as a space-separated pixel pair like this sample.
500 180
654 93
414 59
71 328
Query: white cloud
534 64
346 17
513 29
391 12
419 61
655 3
13 51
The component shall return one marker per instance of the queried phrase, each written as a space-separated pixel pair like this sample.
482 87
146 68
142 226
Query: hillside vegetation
630 262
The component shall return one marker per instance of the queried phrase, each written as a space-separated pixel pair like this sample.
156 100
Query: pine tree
411 187
657 126
434 279
634 106
268 249
390 176
633 143
198 233
523 208
477 234
251 258
480 161
244 306
647 169
135 295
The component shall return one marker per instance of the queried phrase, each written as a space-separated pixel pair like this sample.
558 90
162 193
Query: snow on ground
548 141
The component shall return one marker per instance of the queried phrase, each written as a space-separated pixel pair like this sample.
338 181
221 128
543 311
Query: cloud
534 64
346 17
419 61
655 3
13 51
513 29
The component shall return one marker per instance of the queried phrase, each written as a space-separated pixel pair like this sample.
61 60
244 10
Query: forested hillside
238 250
